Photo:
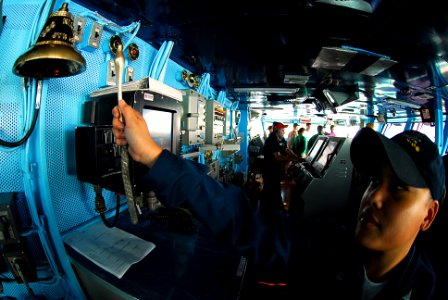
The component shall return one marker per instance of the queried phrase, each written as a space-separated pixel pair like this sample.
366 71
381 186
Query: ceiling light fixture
329 96
353 4
267 90
402 103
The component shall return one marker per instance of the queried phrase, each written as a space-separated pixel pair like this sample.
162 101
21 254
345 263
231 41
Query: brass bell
53 55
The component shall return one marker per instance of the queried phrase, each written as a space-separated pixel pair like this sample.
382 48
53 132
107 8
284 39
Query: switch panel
108 74
129 74
95 35
93 42
79 25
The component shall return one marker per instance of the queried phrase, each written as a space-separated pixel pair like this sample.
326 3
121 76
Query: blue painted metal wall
42 170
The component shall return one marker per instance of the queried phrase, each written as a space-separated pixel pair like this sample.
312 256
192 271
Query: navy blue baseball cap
414 158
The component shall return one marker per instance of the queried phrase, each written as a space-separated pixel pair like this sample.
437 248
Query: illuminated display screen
322 161
160 125
427 115
315 150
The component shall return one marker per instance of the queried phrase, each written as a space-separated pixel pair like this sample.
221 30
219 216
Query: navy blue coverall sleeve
222 208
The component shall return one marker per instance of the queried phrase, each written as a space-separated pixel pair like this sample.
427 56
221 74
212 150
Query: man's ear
433 208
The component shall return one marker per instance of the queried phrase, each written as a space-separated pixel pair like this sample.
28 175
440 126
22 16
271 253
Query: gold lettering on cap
414 143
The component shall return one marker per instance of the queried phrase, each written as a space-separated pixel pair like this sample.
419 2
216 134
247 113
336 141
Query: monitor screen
321 162
160 125
315 149
427 115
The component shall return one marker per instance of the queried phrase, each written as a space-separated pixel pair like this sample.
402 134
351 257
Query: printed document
112 249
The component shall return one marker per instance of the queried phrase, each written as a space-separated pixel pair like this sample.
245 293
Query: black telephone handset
125 166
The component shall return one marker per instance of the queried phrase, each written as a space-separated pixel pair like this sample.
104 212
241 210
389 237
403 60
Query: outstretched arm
222 208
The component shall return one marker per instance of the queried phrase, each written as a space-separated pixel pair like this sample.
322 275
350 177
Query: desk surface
183 266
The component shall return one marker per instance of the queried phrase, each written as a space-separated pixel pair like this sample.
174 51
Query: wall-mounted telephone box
97 157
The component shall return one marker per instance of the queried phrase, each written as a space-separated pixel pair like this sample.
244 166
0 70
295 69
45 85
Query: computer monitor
427 114
160 125
316 148
163 116
381 118
325 157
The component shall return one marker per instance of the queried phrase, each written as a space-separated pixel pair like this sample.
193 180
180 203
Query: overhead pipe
441 131
206 90
158 66
155 62
161 68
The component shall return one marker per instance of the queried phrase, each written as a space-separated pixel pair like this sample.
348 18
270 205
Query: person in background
276 156
377 259
307 133
292 135
299 144
370 125
332 133
320 131
270 129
